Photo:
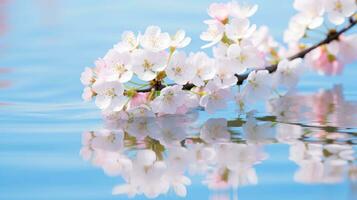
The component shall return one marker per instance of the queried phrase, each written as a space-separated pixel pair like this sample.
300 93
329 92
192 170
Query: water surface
45 45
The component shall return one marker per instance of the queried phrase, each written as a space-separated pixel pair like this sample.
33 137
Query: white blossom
108 140
220 50
238 29
310 171
115 163
154 40
128 42
172 130
225 70
338 10
215 130
296 30
179 70
110 95
87 94
242 10
243 177
202 156
214 33
147 176
118 67
179 40
262 39
244 56
205 68
141 127
87 77
258 87
145 63
288 72
170 99
311 12
257 133
219 11
215 98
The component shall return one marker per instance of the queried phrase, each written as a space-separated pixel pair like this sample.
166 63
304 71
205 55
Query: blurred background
45 45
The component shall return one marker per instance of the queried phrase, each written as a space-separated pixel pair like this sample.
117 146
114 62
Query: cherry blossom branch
331 36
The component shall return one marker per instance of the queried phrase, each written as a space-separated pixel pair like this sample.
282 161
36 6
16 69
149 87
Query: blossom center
146 169
199 155
142 126
169 134
177 158
111 138
110 93
178 70
216 130
147 65
338 6
154 42
199 72
120 68
242 58
215 96
169 97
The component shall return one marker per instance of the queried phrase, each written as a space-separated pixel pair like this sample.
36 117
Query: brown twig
331 36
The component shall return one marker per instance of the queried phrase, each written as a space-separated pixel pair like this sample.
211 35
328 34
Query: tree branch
331 36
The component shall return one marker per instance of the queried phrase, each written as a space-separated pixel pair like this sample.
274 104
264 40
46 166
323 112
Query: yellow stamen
147 65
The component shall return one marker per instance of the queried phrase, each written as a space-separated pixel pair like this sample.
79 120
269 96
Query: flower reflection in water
4 83
3 17
156 154
323 149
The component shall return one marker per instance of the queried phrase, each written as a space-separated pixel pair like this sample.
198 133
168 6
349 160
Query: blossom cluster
318 162
311 15
149 88
144 56
315 18
154 154
150 69
160 161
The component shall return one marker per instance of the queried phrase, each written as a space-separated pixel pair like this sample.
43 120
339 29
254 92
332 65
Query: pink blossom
5 84
182 110
219 11
139 99
348 48
216 181
322 102
326 63
5 70
326 106
87 77
99 66
87 94
330 108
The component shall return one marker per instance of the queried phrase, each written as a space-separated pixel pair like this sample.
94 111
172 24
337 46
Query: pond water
54 146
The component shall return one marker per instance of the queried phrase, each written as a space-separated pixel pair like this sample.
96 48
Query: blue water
45 45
